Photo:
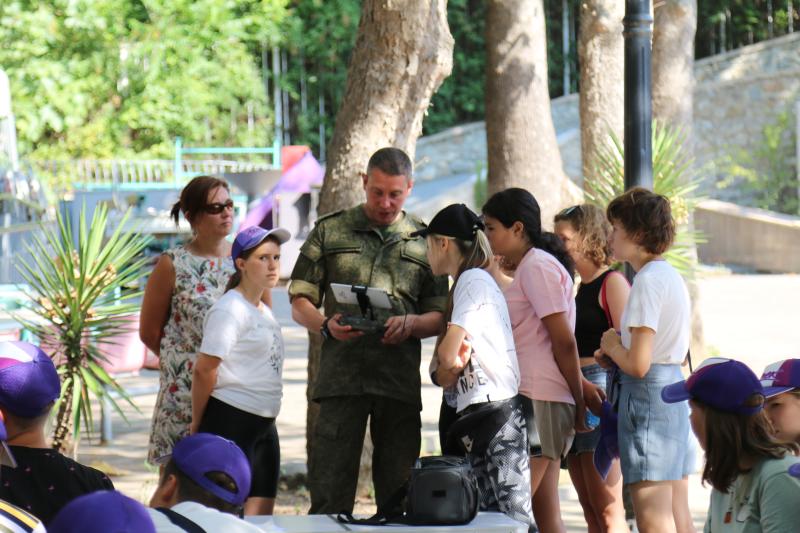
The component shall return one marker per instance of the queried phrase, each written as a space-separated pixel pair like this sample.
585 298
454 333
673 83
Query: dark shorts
256 435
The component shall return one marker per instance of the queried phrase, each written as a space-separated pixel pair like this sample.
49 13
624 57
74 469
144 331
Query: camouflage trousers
503 471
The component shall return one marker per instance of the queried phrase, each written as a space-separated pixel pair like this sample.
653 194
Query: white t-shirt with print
659 300
205 517
492 373
248 340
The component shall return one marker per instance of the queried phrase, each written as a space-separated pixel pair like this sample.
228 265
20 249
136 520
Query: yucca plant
670 168
79 296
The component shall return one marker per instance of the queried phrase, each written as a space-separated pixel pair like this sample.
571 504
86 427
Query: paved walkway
753 318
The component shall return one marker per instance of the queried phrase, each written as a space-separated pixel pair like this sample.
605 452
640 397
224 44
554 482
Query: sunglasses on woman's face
217 208
569 210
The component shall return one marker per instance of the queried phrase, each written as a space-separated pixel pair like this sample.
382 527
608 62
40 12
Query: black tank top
590 319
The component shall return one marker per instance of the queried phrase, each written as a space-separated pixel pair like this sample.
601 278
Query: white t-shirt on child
248 340
492 373
659 300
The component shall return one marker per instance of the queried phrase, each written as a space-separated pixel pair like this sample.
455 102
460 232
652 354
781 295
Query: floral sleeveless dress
199 282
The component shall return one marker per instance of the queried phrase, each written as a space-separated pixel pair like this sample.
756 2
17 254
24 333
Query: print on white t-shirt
248 340
480 309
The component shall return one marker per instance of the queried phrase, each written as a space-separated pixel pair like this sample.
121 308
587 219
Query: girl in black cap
476 356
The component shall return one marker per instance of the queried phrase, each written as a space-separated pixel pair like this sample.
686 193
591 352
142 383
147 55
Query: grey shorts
551 427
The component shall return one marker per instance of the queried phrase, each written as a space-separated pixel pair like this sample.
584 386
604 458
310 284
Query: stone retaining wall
737 94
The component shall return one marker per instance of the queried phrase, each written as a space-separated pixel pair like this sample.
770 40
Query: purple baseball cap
723 384
781 377
28 379
795 470
608 447
253 236
202 453
104 511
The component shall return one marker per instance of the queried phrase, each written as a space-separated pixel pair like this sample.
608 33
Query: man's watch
324 331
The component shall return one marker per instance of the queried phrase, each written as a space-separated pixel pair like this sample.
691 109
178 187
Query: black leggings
256 435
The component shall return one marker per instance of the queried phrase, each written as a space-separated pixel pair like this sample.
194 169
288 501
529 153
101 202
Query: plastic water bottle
592 420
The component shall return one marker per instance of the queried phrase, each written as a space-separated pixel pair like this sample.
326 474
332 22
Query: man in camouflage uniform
367 375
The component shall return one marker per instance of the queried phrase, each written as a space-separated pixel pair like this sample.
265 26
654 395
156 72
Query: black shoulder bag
442 490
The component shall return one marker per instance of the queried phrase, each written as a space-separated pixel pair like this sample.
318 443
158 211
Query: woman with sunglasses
186 281
602 294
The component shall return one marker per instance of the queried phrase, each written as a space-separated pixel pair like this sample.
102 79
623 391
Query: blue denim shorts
653 435
587 442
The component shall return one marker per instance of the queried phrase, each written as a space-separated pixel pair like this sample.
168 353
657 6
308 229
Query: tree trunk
520 137
673 63
673 99
602 76
403 53
401 57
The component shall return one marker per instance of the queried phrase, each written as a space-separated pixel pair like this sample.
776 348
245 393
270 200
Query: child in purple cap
748 468
237 387
105 511
781 383
44 480
203 484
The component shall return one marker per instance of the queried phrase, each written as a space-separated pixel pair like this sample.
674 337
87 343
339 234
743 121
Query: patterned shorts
503 471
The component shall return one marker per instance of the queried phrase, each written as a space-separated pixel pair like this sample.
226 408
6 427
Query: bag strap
604 299
604 296
181 521
380 518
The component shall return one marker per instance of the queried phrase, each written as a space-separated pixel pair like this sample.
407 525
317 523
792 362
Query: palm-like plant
670 168
77 294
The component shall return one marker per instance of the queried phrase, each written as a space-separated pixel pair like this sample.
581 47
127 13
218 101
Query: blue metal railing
180 151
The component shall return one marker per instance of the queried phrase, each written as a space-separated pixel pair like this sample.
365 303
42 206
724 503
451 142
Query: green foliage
77 294
767 172
460 98
110 78
480 189
319 37
670 169
739 23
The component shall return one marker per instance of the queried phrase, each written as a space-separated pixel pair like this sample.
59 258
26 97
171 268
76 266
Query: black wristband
323 329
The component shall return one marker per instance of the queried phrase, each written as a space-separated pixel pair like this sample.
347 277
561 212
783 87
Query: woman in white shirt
653 436
476 355
236 386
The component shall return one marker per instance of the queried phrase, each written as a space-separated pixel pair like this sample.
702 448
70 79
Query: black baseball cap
455 220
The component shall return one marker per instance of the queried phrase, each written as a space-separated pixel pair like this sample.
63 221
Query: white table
483 523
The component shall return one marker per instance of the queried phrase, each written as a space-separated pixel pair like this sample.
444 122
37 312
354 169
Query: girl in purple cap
236 387
781 382
750 471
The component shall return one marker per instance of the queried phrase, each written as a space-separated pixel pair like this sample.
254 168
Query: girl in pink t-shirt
542 310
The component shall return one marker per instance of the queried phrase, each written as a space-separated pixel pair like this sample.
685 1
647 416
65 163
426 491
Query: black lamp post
638 95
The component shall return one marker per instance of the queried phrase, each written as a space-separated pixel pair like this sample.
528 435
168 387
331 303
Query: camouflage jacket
345 248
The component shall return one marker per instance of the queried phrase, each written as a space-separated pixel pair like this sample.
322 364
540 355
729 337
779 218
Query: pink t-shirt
541 287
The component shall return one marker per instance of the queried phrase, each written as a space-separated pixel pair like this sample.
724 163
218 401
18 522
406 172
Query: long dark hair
236 277
732 437
518 205
194 197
